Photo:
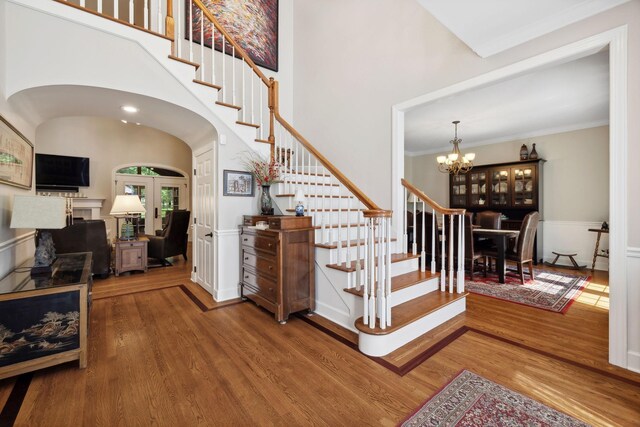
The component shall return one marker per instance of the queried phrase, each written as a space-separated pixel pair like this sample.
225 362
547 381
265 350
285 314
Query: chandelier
455 163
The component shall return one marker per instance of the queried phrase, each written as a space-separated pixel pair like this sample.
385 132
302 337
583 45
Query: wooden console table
595 251
44 320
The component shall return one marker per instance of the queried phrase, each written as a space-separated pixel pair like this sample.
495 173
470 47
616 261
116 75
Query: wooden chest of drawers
278 264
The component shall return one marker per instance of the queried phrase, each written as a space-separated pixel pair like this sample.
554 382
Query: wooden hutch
514 189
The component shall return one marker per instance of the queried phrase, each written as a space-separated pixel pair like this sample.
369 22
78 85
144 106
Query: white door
204 220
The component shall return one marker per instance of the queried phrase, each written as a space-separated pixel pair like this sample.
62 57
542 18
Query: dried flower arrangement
265 172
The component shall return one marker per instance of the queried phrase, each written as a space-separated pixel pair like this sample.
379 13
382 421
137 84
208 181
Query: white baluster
423 254
358 253
372 275
315 197
414 247
443 272
213 53
405 226
202 63
434 234
233 75
179 29
244 94
365 290
251 81
116 13
461 256
261 109
451 244
82 3
155 5
131 13
146 14
324 222
382 277
348 231
308 192
339 240
388 269
100 6
191 30
224 68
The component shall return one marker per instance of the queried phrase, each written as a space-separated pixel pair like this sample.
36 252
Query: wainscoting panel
633 314
574 237
15 251
227 269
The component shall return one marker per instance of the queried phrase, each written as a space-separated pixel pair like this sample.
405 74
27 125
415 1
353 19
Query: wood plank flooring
158 358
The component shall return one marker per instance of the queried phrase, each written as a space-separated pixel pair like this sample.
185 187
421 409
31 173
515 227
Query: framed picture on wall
16 156
251 23
238 183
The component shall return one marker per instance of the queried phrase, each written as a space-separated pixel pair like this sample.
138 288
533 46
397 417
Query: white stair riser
342 232
308 178
381 345
348 279
352 250
288 187
415 291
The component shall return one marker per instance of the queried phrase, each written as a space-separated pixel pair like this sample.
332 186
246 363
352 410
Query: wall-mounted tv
61 171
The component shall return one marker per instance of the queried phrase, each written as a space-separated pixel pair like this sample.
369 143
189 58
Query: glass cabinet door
458 190
478 188
524 191
499 181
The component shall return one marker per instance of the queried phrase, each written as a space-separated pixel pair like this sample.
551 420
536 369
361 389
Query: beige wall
110 143
576 173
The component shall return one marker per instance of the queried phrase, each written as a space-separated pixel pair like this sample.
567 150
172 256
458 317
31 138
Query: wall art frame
252 23
16 157
238 184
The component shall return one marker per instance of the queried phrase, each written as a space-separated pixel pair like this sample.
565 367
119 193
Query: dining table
500 238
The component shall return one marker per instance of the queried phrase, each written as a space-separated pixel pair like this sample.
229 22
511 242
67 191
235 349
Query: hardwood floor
158 358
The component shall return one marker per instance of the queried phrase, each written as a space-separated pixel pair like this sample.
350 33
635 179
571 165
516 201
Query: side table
131 255
595 251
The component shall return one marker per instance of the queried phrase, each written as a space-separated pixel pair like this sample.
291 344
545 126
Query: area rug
471 400
551 290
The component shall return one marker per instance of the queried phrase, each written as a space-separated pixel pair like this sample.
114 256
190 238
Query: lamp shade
39 212
125 204
299 195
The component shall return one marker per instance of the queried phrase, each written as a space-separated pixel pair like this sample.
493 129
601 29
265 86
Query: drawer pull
246 277
246 258
270 244
271 267
245 240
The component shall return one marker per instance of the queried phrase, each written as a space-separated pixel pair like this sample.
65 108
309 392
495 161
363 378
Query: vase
534 153
266 204
524 152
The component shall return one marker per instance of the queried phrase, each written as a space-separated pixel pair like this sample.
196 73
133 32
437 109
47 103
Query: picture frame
238 184
251 23
16 157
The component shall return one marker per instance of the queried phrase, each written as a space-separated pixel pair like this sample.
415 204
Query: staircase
366 280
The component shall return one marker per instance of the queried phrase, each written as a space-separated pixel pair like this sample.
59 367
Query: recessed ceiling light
123 121
129 109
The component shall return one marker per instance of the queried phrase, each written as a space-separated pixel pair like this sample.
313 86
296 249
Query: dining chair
524 248
490 220
428 229
471 254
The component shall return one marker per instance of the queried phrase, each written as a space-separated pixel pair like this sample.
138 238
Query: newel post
377 305
169 26
273 105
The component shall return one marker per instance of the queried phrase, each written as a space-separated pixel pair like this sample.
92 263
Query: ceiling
492 26
570 96
48 102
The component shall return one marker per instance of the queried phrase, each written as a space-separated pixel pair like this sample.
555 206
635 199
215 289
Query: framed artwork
16 156
252 23
238 183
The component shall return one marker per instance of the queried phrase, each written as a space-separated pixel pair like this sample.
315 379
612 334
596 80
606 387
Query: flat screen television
62 172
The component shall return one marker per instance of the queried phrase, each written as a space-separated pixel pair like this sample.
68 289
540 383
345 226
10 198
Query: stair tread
319 227
352 266
354 242
312 183
184 61
309 173
211 85
253 125
316 196
410 311
327 210
224 104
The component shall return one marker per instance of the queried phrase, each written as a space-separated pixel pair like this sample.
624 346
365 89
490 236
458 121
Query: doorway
160 189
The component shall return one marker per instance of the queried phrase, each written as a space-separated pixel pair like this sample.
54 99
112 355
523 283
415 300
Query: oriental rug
550 290
471 400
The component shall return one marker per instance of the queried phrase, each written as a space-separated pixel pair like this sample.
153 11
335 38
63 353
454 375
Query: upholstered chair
171 240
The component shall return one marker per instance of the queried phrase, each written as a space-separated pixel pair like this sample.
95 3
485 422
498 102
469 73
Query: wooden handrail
239 50
436 207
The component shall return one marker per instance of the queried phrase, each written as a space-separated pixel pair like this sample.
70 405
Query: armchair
171 240
86 236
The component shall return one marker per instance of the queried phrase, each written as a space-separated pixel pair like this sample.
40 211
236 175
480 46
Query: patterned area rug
471 400
550 290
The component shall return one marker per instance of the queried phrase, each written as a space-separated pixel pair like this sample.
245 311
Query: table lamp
126 206
300 202
41 213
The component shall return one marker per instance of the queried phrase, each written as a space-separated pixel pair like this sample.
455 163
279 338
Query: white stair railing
450 229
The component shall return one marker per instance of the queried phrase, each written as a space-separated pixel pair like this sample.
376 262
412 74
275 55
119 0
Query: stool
573 261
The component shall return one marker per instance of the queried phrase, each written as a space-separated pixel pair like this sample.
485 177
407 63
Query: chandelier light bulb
470 156
441 159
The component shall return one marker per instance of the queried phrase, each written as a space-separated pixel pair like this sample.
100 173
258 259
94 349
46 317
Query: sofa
86 236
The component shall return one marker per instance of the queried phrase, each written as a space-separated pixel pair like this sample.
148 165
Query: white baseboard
574 237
